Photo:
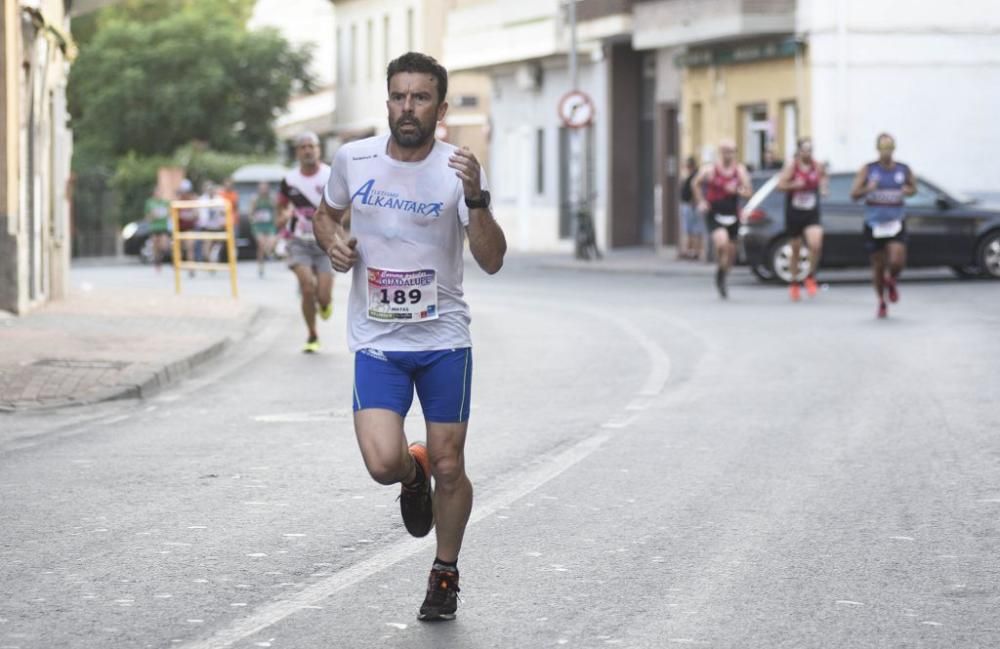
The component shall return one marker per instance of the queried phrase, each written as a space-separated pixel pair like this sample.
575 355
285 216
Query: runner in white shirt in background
413 200
301 192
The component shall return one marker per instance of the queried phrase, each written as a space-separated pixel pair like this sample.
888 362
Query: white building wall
302 22
361 61
928 73
531 219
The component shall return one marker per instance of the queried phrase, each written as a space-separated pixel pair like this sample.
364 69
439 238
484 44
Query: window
409 29
840 189
369 50
338 48
385 41
353 61
696 131
926 196
466 101
540 161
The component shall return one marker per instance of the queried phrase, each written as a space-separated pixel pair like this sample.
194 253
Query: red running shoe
883 310
793 291
811 287
890 285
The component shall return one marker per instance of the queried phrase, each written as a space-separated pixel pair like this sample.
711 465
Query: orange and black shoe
793 291
441 601
811 287
890 285
415 503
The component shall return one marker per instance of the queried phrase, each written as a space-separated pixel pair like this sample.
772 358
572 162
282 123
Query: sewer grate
76 364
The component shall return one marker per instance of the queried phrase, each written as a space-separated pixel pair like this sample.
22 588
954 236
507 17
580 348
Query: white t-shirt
407 217
304 193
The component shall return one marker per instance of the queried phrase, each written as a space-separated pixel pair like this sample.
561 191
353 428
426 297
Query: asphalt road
653 468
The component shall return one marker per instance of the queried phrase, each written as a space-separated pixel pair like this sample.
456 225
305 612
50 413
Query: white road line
515 488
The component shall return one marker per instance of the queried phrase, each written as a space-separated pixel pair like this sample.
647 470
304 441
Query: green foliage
151 87
177 83
136 176
153 10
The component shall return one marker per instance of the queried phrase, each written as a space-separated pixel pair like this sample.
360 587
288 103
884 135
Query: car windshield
762 193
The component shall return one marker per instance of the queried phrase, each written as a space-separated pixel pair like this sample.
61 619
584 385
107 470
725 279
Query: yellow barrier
193 235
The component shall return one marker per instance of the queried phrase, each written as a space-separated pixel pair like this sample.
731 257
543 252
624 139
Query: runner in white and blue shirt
884 184
413 201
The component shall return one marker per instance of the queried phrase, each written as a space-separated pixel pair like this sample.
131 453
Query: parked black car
943 230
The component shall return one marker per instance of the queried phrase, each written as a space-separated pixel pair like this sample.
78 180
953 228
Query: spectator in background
210 219
691 222
188 219
157 215
262 217
771 160
227 192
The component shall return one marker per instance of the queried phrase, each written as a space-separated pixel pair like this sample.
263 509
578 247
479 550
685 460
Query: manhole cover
75 364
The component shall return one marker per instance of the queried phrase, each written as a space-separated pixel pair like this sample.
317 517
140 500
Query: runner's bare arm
785 178
910 184
860 188
486 238
746 188
699 198
331 236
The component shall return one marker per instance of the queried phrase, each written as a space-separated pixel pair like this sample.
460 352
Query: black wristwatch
481 202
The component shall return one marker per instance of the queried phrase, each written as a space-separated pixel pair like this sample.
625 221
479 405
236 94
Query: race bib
262 216
725 219
886 230
804 200
402 296
304 229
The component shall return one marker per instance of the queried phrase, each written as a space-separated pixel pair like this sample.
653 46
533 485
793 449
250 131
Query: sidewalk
100 346
637 260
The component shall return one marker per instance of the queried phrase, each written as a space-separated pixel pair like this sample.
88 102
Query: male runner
301 192
884 184
413 200
726 182
803 180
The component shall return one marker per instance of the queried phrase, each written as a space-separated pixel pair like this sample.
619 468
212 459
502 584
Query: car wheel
989 255
966 272
781 260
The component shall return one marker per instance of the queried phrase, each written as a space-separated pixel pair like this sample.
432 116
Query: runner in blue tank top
884 184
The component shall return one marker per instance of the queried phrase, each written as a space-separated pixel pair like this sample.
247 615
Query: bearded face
414 108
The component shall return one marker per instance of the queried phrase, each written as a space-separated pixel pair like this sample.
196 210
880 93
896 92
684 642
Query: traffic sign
576 109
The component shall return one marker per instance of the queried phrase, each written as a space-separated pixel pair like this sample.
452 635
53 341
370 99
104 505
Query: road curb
154 381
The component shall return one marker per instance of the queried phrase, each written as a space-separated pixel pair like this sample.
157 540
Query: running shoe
890 285
441 601
326 311
415 503
883 310
793 291
811 287
720 283
311 346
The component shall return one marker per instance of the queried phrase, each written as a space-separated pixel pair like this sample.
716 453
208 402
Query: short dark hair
417 62
878 140
803 140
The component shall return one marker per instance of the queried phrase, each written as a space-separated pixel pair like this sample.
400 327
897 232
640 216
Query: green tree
150 86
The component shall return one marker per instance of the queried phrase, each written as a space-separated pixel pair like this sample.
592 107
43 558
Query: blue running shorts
443 380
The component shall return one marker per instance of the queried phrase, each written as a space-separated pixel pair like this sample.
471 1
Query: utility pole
583 224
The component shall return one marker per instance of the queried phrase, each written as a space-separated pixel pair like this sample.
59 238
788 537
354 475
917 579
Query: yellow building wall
721 92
